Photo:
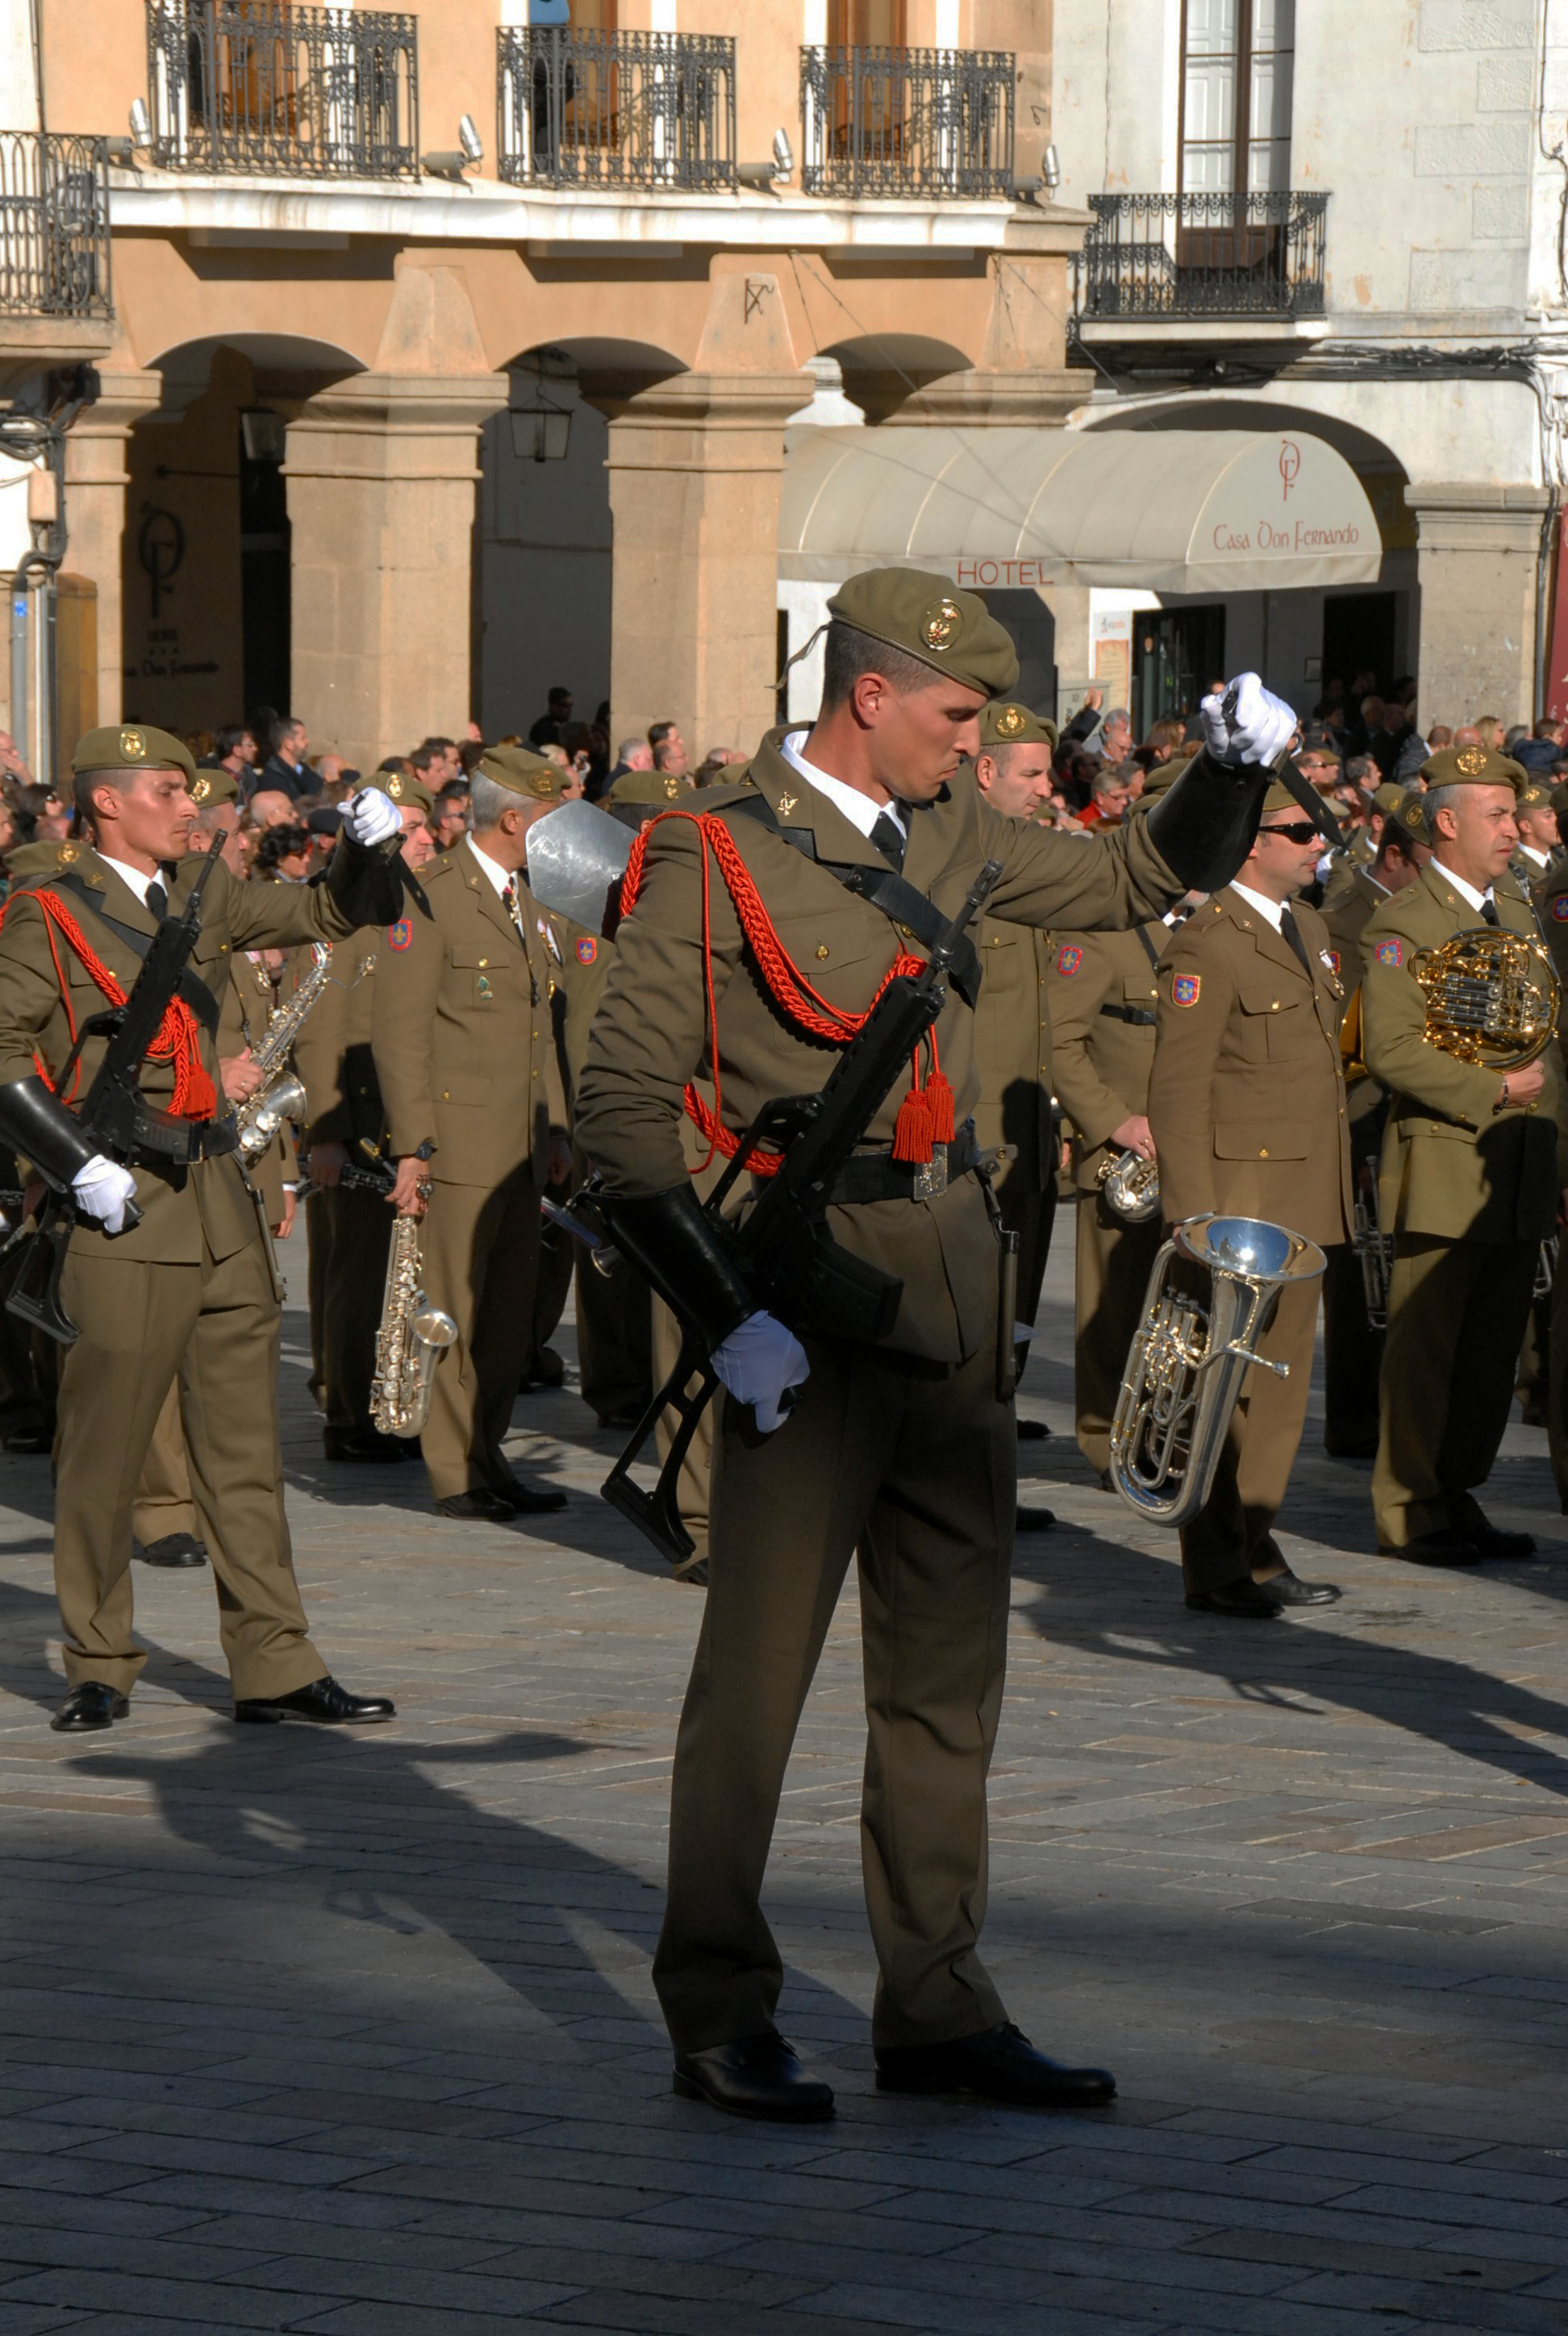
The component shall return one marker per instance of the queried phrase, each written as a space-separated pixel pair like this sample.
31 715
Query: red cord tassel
939 1103
912 1131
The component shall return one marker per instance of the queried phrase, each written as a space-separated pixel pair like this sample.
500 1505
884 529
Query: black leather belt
1143 1018
207 1139
878 1176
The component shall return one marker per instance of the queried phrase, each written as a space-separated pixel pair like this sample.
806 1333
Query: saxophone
413 1337
278 1098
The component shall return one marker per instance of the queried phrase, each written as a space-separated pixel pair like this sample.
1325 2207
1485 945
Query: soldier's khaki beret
1535 796
403 787
1560 800
39 859
1410 815
1156 781
660 787
524 773
932 620
207 788
1004 723
1388 798
1472 767
125 746
1280 798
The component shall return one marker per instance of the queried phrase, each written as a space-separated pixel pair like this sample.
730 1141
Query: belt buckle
932 1181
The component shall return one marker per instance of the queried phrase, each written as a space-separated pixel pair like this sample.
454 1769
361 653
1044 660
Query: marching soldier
192 1285
1352 1347
1471 1183
350 1223
465 1060
1535 815
1012 1035
1103 991
1247 1106
901 1450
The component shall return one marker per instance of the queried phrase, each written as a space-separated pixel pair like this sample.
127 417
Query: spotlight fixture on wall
450 163
765 175
123 150
1029 191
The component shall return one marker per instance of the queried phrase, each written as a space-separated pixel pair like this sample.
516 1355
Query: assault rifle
782 1249
114 1118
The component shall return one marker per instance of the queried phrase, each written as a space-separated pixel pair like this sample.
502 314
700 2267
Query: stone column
96 478
382 471
1478 550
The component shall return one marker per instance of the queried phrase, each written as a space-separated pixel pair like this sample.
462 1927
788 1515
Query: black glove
681 1252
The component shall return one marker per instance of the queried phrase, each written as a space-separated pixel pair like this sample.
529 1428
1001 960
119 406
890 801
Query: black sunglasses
1299 831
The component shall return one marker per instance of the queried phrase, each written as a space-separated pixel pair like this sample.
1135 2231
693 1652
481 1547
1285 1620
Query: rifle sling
883 888
190 987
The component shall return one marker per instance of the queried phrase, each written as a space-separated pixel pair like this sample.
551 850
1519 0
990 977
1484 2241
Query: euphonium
1375 1249
1187 1363
413 1337
280 1099
1131 1185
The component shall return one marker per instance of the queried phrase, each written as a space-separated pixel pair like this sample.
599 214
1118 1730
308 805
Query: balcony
591 109
263 87
54 228
1151 259
916 122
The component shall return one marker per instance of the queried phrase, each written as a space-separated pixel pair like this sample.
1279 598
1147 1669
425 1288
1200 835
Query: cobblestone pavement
301 2031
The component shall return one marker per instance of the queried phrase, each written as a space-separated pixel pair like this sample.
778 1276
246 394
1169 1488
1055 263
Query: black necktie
889 838
1489 913
1289 928
158 899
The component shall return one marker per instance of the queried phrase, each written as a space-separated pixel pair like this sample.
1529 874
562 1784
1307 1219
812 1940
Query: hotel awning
1163 511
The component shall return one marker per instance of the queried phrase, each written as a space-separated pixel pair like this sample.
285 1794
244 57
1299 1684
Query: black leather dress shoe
1247 1600
89 1705
1442 1546
1292 1591
1000 2064
175 1549
1034 1520
1032 1431
1491 1541
477 1504
363 1443
323 1701
30 1437
760 2076
530 1499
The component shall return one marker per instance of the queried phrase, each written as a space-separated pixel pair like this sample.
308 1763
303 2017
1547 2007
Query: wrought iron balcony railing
54 225
907 122
591 109
1194 255
262 85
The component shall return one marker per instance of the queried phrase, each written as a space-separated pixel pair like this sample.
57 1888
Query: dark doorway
264 574
1177 654
1358 638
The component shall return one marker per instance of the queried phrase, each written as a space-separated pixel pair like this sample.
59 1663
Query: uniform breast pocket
1270 1020
843 953
484 976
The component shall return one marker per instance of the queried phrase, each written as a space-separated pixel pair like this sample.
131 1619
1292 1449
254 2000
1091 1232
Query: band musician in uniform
898 1453
190 1286
1247 1106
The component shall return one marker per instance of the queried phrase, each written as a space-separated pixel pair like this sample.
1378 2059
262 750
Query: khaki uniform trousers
1110 1274
916 1465
164 1504
1229 1537
1457 1315
481 1262
218 1324
692 1489
350 1235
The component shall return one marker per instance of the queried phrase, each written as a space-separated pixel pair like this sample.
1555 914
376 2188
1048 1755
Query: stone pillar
96 478
382 471
1478 550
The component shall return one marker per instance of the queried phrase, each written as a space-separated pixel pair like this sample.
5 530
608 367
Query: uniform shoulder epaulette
443 865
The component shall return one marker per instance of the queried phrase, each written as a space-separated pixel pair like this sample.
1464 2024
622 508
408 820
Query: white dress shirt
857 808
1273 912
134 881
1468 892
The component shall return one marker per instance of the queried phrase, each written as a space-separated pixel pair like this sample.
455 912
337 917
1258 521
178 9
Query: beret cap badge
1010 721
394 786
940 625
201 788
133 746
1472 761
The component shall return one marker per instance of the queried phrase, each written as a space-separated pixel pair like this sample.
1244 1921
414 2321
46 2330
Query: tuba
1491 997
1131 1185
413 1337
1187 1362
1374 1251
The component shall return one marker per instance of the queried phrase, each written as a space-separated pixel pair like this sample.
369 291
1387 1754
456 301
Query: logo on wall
160 549
1289 467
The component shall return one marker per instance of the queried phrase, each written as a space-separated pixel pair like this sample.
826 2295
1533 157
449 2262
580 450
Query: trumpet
1186 1364
413 1337
1375 1249
1131 1185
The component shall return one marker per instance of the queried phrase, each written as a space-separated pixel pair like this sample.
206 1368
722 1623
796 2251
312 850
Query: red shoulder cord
179 1038
925 1116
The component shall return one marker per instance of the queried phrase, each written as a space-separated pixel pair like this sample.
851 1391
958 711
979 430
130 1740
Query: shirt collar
1468 892
1273 912
858 809
134 881
499 877
1542 858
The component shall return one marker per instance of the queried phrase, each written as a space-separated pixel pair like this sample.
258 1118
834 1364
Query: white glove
758 1362
101 1190
1255 731
370 817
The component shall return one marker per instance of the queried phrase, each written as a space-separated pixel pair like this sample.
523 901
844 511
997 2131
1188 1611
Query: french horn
1491 997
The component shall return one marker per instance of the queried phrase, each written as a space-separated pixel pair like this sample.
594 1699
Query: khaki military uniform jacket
1553 911
1246 1102
650 1034
1102 1060
1452 1164
1346 916
460 1030
180 1206
1013 1052
332 1053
